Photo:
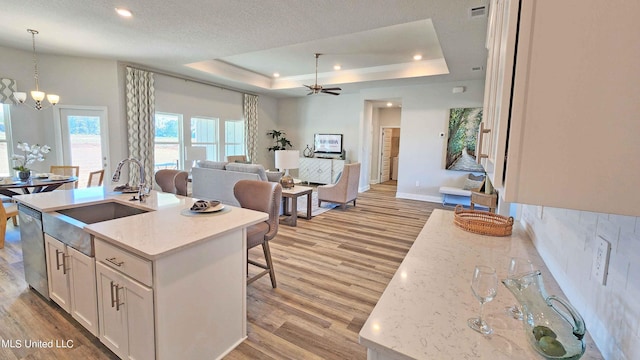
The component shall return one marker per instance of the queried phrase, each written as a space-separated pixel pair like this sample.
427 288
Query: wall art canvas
463 136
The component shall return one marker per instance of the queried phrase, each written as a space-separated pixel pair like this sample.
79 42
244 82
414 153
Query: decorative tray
482 222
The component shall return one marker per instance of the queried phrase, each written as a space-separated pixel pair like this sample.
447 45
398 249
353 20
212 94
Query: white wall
566 240
425 113
96 82
302 117
78 81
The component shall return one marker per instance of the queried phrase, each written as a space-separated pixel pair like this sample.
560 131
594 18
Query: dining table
33 185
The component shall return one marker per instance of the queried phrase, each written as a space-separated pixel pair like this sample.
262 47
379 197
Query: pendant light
37 95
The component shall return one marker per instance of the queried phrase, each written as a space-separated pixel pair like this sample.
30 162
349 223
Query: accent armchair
345 190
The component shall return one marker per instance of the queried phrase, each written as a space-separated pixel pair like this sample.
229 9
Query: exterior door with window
84 140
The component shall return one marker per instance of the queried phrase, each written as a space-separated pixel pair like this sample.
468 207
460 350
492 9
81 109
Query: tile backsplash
567 241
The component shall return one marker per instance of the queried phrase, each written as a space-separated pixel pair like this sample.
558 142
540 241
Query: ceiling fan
316 89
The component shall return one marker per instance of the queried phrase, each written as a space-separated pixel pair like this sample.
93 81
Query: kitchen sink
67 225
90 214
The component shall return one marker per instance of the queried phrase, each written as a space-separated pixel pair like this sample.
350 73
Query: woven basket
482 222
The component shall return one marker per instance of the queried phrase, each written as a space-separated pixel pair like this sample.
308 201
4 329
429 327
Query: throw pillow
472 184
274 176
218 165
476 177
248 168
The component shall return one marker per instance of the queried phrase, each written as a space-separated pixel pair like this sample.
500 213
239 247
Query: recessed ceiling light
417 57
276 74
337 67
124 12
389 104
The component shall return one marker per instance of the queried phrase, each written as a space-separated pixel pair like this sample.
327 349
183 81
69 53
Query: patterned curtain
140 122
7 87
251 127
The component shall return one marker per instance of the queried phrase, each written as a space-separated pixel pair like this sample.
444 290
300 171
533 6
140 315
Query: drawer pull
114 262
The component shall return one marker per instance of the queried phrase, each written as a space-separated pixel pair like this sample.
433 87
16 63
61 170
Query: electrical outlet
417 183
601 260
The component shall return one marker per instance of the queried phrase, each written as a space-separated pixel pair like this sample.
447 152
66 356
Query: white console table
320 171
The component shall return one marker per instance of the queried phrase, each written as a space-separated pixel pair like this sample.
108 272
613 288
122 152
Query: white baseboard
428 198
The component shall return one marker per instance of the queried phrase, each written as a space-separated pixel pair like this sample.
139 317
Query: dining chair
260 196
66 170
95 178
172 181
7 210
237 158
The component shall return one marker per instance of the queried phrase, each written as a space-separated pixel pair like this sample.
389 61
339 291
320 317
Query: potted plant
31 154
281 142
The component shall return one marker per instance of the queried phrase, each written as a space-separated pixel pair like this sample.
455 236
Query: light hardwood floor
331 270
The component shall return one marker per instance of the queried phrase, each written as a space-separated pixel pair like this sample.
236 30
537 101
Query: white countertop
423 312
154 234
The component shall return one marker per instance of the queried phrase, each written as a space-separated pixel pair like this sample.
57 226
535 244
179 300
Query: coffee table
293 194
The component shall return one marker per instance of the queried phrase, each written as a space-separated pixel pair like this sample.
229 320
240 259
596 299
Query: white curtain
7 88
140 122
251 127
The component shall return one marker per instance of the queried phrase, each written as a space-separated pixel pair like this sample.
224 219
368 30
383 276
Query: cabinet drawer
123 261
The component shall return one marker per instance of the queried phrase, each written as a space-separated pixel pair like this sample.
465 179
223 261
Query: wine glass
517 267
484 285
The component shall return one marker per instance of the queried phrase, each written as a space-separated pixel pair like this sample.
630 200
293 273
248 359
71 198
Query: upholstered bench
452 196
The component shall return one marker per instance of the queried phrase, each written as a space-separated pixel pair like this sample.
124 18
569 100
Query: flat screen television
327 143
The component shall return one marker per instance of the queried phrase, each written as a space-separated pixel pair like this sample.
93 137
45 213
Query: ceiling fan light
20 96
53 99
37 95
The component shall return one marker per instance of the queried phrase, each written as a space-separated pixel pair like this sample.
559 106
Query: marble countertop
423 312
165 229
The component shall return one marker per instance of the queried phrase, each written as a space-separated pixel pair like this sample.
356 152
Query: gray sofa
214 180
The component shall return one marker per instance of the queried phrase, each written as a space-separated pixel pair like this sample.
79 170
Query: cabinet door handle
64 263
113 299
118 303
58 252
481 132
115 296
114 262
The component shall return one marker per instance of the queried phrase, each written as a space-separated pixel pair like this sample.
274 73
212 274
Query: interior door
83 138
385 154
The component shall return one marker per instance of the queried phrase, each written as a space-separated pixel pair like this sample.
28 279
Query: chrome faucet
141 185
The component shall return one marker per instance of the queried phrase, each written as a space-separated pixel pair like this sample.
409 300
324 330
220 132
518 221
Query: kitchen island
169 284
423 312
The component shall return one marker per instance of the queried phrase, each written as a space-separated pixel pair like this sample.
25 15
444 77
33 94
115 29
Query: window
5 141
204 132
168 141
234 137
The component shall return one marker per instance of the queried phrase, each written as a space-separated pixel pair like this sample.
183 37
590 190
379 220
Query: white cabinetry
125 303
320 171
559 107
72 282
126 314
190 304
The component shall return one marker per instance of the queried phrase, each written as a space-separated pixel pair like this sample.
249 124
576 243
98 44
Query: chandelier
37 95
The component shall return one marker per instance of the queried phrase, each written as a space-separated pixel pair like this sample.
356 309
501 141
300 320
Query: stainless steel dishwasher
33 250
